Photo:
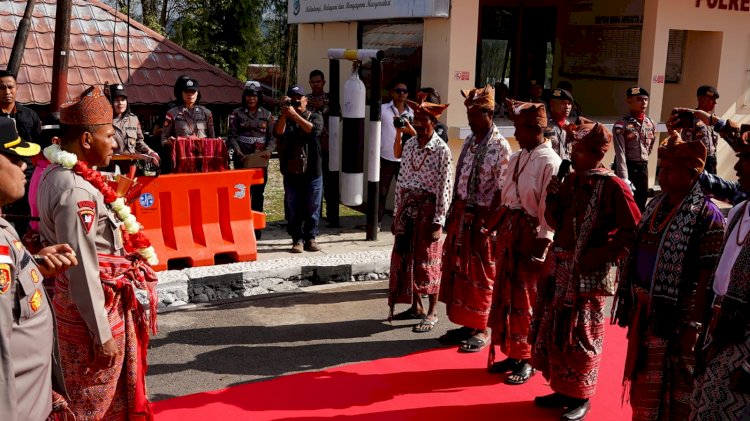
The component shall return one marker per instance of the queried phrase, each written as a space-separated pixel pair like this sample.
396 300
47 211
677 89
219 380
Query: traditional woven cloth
516 286
468 273
117 392
192 154
92 108
416 258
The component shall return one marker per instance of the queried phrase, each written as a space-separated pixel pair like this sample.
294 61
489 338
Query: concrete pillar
654 43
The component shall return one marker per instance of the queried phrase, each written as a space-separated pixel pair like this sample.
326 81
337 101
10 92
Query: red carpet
434 385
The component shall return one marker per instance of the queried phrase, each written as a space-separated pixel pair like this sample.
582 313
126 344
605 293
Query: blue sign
146 200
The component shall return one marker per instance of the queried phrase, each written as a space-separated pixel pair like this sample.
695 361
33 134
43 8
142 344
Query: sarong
468 273
713 397
117 392
660 375
416 259
567 343
516 286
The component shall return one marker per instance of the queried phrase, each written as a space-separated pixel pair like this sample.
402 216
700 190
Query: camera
687 119
400 121
293 103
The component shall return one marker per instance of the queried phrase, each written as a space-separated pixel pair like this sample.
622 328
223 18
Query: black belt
638 164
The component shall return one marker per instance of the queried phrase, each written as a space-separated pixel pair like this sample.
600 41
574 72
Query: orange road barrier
200 219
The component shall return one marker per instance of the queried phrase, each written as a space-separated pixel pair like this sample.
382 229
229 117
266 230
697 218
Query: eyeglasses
401 91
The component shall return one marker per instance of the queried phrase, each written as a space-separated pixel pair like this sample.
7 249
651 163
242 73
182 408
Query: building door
515 46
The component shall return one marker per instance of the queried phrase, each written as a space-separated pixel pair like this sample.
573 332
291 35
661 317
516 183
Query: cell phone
38 259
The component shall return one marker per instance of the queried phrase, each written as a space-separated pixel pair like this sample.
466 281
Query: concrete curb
178 288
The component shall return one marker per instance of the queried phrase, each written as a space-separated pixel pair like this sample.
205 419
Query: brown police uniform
634 141
129 136
248 130
26 334
73 211
180 121
558 138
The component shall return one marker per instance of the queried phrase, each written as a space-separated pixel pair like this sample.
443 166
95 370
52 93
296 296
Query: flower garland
132 236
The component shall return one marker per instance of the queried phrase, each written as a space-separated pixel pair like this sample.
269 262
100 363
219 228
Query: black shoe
554 400
577 410
258 234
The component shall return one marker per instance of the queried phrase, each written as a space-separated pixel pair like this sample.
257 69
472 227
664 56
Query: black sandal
521 374
456 336
504 366
475 343
408 315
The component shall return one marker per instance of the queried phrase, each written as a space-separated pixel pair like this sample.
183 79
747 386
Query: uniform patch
35 276
87 214
35 302
5 254
5 278
18 245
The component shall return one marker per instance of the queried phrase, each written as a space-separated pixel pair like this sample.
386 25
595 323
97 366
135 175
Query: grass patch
273 206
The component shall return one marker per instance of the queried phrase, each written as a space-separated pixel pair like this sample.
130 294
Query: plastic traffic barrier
200 219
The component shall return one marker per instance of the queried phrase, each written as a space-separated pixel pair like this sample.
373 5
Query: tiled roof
155 62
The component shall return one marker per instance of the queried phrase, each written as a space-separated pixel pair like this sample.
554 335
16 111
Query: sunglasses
401 91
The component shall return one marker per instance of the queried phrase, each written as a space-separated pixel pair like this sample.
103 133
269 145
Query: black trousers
638 175
331 192
388 173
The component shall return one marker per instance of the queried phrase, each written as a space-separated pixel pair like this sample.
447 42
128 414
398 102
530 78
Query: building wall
315 40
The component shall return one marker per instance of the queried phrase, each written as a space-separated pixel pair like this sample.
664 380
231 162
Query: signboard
316 11
461 75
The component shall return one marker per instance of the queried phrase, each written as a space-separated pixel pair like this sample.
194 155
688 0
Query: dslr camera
292 103
400 121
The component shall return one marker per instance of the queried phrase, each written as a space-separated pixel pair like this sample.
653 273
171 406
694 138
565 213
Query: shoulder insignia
5 255
5 278
35 302
86 214
618 130
35 276
18 245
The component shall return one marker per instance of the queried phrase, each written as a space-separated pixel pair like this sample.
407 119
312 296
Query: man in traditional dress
523 237
595 218
634 138
560 103
469 253
97 312
29 366
423 194
722 389
661 302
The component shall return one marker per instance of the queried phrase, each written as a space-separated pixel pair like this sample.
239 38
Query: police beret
708 90
637 91
117 90
562 94
11 143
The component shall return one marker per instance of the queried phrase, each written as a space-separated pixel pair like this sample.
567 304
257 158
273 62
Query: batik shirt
704 134
429 169
492 168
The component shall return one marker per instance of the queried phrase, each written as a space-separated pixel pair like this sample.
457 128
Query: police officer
251 131
128 133
188 118
561 103
28 370
634 138
707 97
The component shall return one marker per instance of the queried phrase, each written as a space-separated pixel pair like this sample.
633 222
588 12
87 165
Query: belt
251 140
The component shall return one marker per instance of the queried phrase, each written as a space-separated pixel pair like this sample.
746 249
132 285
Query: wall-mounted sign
738 5
316 11
461 75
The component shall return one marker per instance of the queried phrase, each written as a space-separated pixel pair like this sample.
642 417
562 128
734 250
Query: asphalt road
219 345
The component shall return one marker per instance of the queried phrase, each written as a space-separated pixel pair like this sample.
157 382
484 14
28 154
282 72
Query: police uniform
711 138
247 130
129 136
556 133
634 140
183 122
27 330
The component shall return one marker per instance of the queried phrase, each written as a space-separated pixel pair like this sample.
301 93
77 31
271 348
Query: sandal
504 366
456 336
425 325
408 315
521 374
476 343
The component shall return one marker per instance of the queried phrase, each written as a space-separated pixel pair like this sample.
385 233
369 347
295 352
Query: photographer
298 132
394 114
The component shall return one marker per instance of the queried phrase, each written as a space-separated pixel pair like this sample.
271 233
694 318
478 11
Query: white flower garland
56 155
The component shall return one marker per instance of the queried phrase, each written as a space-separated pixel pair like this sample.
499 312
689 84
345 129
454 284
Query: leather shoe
554 400
577 411
312 245
296 248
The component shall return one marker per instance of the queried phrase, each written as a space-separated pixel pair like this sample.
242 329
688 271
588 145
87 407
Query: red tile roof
155 62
